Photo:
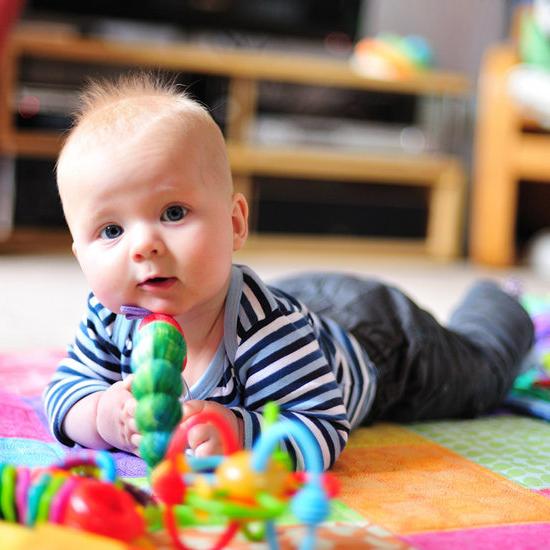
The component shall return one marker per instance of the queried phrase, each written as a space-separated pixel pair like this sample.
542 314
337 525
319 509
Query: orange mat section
407 484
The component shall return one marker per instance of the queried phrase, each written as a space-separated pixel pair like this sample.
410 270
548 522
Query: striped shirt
273 349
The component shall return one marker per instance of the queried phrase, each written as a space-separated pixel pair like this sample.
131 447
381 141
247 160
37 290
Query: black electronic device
314 19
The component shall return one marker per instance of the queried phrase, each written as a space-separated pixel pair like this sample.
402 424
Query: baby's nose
146 244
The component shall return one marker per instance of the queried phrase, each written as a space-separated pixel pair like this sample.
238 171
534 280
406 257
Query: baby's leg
425 370
494 322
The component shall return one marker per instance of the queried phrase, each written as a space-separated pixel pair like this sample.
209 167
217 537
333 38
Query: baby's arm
105 419
80 423
87 386
282 362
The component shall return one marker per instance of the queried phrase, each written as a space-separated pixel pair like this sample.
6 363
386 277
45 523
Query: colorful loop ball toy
80 492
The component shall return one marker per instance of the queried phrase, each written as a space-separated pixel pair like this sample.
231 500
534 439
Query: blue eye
174 213
112 231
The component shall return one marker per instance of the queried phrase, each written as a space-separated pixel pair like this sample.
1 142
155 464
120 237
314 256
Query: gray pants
425 370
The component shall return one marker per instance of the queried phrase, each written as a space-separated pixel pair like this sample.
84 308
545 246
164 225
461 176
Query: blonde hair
100 93
133 104
132 98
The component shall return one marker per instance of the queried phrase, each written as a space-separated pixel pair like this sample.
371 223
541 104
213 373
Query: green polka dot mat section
518 448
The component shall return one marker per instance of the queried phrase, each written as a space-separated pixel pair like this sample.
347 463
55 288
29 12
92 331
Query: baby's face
152 225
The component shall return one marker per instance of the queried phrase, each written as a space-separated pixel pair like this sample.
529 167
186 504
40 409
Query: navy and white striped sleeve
92 364
279 359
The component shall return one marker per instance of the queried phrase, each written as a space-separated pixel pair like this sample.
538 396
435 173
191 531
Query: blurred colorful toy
158 359
245 487
80 492
531 389
534 35
529 81
239 490
538 308
389 56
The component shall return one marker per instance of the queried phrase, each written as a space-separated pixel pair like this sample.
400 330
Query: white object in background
530 87
541 11
7 196
337 133
539 254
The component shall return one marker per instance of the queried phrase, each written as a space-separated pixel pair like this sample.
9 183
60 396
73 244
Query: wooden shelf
333 244
505 155
37 240
235 63
47 241
328 164
33 143
314 163
441 174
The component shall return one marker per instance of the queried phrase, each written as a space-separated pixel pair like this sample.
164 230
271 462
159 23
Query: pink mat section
18 418
27 373
24 436
509 537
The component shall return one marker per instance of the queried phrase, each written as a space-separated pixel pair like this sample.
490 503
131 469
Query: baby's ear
239 219
73 247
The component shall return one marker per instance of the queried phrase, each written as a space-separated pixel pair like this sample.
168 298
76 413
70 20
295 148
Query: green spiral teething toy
158 358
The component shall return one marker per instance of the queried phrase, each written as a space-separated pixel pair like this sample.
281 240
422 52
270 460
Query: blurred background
405 140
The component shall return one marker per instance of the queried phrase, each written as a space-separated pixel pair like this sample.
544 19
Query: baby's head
147 193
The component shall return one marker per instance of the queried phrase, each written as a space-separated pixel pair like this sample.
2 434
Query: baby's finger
132 425
192 407
127 382
197 435
135 440
210 447
129 408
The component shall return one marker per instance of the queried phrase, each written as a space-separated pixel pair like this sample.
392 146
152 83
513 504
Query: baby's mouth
158 282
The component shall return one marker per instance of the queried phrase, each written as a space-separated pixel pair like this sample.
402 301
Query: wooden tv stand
442 174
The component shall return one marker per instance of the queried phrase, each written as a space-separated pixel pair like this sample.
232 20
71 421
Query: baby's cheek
106 277
107 291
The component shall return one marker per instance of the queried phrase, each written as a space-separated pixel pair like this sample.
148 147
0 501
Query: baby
147 194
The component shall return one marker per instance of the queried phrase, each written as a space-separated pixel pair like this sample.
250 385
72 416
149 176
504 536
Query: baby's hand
115 419
205 439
